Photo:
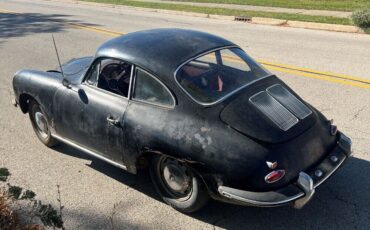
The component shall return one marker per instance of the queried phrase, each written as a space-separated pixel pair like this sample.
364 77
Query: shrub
361 18
11 206
4 174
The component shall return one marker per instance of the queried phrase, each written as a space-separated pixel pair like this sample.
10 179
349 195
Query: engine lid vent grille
274 110
287 99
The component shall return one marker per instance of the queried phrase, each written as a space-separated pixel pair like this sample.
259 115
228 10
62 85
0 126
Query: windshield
212 76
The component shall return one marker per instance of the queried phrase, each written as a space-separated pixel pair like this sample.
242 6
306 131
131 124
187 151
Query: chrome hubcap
42 125
176 177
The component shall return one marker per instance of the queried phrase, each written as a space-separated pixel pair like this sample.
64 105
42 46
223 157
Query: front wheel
40 124
177 184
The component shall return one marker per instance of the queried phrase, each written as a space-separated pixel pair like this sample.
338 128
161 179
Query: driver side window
111 75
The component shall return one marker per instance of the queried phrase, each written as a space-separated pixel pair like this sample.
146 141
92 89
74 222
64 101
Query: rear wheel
178 185
40 124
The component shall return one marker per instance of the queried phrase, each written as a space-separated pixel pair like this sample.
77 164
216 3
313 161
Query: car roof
161 51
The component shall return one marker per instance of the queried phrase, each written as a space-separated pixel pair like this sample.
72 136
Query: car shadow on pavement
140 182
341 203
18 25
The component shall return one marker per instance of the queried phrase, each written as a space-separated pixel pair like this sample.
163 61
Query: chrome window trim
148 102
227 95
104 91
130 83
84 80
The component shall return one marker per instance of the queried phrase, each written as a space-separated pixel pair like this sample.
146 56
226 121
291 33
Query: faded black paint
230 141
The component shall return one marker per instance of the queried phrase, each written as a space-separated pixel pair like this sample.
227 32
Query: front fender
39 85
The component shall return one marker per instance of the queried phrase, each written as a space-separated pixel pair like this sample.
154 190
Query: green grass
230 12
339 5
366 30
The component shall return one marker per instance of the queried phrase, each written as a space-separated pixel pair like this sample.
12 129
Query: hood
75 69
268 111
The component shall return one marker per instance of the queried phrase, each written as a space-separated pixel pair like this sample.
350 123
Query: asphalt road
90 188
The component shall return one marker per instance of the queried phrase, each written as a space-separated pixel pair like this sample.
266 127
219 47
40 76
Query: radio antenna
56 51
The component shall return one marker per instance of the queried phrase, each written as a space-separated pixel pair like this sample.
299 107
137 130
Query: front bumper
300 192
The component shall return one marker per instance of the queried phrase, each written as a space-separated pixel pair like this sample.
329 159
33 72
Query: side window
232 60
149 89
111 75
93 75
209 58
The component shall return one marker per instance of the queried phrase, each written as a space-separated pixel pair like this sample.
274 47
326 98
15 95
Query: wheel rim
42 125
176 178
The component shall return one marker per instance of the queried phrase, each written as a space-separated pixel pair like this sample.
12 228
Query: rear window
213 76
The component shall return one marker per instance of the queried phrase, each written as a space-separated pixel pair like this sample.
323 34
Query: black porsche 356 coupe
194 108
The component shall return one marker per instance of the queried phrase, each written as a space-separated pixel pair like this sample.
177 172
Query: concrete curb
307 25
268 21
325 26
253 20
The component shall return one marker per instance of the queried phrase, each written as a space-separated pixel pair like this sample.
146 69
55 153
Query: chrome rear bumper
300 192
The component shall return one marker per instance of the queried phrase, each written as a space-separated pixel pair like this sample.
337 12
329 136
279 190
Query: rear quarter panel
198 136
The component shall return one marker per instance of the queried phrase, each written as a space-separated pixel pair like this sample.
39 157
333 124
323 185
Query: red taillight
274 176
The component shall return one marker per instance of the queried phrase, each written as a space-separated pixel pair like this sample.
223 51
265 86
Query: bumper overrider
300 192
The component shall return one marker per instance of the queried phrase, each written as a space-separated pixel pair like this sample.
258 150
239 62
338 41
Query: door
92 114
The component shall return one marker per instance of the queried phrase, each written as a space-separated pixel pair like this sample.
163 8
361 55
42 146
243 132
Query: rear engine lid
270 112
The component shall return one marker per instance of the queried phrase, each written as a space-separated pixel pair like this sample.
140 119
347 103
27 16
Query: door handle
113 121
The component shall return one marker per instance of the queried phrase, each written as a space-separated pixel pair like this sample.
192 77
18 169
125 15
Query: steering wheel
111 75
113 85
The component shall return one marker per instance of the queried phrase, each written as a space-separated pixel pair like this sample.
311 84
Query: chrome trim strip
89 152
259 203
227 95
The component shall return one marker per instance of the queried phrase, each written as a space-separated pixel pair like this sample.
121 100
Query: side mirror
66 83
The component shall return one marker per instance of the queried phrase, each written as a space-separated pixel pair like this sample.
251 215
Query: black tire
191 200
44 135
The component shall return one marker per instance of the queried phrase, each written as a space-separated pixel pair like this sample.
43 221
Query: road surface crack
358 112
